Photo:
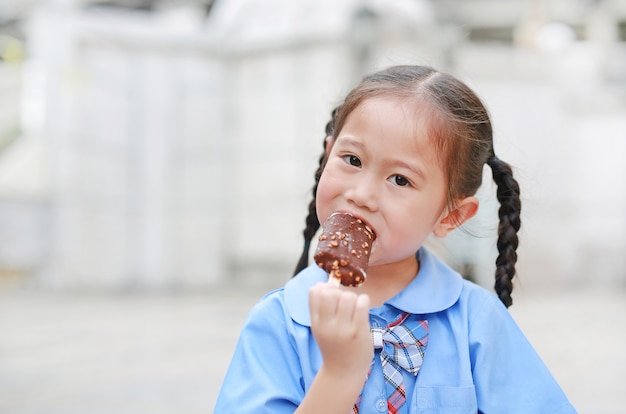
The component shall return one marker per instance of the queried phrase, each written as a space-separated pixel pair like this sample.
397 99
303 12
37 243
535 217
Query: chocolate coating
344 249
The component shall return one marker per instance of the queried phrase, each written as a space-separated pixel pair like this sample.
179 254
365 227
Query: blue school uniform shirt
477 359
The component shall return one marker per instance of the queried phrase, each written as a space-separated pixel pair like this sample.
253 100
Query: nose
363 193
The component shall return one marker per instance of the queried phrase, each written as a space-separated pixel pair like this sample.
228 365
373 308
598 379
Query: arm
340 324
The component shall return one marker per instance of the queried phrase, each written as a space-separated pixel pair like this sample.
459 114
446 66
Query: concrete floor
66 353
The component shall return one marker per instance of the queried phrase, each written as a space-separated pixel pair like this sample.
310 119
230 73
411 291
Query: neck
386 281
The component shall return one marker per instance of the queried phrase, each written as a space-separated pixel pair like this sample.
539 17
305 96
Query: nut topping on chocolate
346 261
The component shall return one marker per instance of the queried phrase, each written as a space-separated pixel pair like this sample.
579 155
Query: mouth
369 229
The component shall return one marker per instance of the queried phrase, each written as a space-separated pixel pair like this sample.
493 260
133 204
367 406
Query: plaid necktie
400 348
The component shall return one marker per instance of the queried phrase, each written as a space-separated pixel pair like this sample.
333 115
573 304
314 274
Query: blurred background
157 158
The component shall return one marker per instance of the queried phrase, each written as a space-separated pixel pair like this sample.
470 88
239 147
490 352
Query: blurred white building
166 148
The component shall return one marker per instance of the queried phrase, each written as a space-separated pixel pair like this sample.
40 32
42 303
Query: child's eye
399 180
352 160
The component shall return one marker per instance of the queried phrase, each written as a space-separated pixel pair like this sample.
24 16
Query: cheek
323 197
412 224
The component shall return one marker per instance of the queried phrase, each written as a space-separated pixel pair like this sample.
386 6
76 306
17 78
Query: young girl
404 153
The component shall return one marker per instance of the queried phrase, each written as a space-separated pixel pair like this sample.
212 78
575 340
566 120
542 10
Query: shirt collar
436 287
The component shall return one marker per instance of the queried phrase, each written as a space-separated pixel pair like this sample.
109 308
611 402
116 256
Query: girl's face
384 169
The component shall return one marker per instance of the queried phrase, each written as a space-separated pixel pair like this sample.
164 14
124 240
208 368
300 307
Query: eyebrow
409 166
347 140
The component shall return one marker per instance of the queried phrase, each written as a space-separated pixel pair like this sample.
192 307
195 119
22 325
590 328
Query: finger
324 301
362 310
314 298
345 308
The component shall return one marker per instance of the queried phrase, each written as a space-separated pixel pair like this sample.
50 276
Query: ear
463 211
329 144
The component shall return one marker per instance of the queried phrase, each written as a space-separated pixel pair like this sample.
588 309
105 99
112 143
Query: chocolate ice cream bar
344 249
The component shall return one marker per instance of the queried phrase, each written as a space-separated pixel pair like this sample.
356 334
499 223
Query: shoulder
439 288
436 287
484 310
270 307
290 303
468 308
478 299
479 313
296 293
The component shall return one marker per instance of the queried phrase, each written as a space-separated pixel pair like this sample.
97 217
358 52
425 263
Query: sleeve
509 376
264 375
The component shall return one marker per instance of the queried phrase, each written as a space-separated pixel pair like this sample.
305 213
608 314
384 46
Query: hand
340 325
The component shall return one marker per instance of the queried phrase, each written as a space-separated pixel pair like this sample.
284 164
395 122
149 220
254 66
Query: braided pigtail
508 194
312 223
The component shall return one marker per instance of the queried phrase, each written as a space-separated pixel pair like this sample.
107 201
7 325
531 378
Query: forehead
388 116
